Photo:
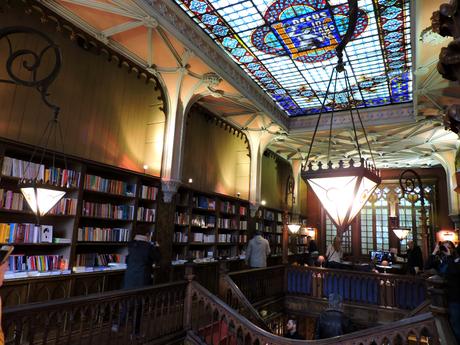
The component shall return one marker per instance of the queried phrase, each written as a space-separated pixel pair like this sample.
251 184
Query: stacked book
99 184
149 193
56 176
40 263
10 200
90 234
92 209
146 214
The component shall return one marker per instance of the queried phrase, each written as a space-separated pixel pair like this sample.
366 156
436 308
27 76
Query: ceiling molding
178 24
370 117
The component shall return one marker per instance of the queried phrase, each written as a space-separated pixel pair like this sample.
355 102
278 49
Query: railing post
189 276
437 292
223 271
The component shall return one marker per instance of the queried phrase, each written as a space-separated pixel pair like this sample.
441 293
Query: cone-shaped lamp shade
401 233
342 191
41 197
294 228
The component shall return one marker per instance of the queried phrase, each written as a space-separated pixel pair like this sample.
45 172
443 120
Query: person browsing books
257 251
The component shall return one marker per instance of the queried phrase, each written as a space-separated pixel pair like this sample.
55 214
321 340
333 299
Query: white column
258 142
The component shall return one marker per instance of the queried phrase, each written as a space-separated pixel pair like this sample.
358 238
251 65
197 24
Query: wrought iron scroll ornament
32 63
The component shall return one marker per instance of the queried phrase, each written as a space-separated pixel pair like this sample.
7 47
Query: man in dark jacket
332 322
414 258
291 330
142 254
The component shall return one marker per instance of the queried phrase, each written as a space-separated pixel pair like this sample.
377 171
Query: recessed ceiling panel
288 48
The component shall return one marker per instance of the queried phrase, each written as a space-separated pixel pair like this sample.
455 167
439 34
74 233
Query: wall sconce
190 180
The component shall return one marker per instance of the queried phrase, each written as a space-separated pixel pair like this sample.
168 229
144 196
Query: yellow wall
275 173
107 115
214 158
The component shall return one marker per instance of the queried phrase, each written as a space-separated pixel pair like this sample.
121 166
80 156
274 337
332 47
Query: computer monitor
381 255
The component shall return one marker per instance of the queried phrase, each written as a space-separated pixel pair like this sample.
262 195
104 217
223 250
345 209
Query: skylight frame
310 77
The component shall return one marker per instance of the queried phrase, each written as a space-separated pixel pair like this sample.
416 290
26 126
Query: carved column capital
169 189
253 209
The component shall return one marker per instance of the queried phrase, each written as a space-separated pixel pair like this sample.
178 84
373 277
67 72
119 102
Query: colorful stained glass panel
288 48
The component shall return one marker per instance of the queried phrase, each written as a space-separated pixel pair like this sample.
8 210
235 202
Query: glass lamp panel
29 195
365 190
294 228
44 200
401 233
336 194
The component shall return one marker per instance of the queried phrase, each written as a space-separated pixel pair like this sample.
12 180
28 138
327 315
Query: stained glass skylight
288 48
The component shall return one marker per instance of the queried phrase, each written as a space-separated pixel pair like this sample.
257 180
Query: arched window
331 232
375 215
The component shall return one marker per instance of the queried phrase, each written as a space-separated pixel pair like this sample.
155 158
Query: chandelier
342 189
40 194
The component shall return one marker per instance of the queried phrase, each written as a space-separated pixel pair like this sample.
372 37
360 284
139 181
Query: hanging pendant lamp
345 188
41 195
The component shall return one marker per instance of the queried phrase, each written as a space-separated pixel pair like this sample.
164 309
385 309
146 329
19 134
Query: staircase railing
216 323
232 295
260 284
122 317
380 289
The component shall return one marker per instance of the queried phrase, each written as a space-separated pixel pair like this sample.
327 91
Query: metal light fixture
344 189
294 228
401 233
41 195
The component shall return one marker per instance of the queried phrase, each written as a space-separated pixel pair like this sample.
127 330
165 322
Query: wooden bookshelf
208 227
103 209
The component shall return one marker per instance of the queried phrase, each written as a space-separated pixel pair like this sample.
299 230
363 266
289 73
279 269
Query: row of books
99 184
35 262
181 218
204 238
243 224
203 221
273 239
228 223
92 209
95 259
204 203
10 200
25 233
65 206
227 238
227 207
180 237
146 214
28 170
149 192
90 234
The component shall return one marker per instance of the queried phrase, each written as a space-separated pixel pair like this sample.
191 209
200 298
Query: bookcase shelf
214 218
85 233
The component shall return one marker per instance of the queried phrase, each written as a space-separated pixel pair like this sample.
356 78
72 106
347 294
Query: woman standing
334 254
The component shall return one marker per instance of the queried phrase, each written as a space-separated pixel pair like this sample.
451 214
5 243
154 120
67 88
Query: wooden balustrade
232 295
387 290
122 317
261 283
214 322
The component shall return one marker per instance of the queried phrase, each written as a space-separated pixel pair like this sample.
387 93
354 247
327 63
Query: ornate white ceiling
401 136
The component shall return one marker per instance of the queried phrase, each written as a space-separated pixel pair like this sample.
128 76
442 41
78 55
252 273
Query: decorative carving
169 189
452 118
253 209
211 79
180 25
446 22
32 63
